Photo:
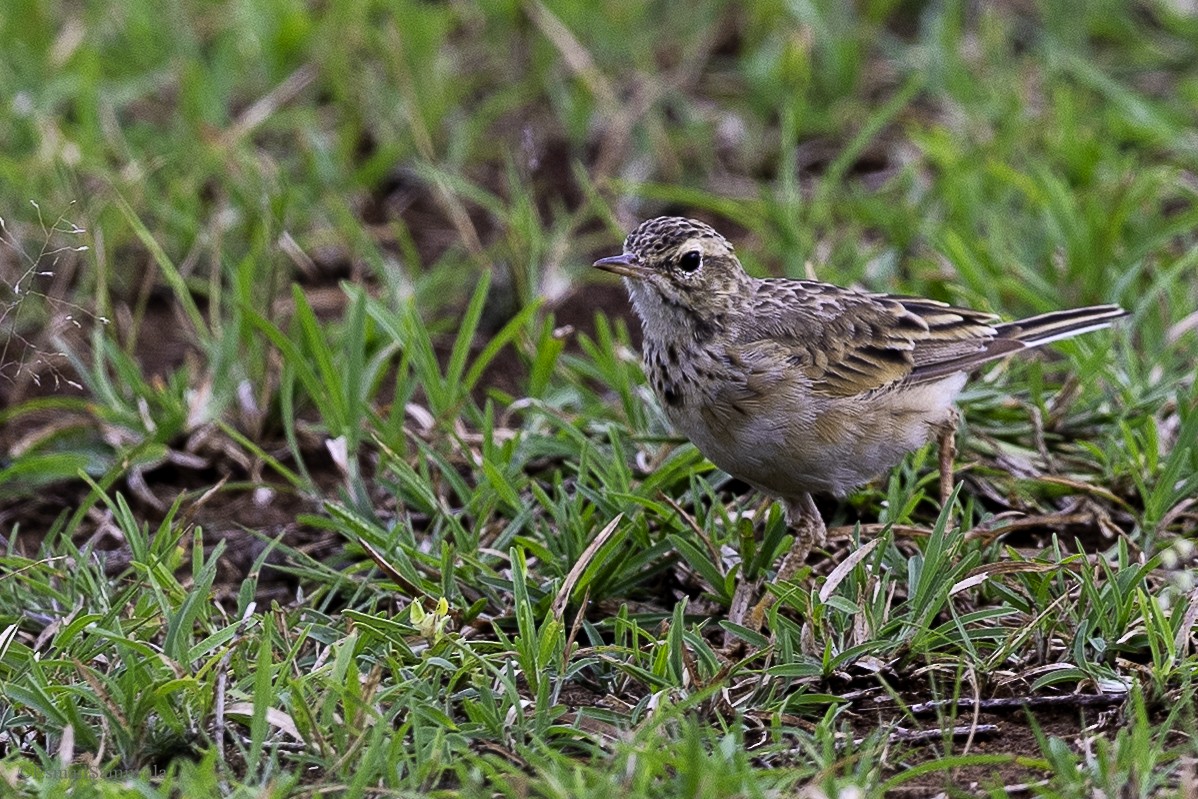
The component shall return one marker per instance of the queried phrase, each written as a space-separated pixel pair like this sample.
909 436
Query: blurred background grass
1026 153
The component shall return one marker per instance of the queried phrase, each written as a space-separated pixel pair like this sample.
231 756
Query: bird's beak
623 264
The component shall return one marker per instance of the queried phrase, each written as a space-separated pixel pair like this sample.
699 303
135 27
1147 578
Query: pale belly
816 445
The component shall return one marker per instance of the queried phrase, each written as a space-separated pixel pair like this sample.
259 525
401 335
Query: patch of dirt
1010 735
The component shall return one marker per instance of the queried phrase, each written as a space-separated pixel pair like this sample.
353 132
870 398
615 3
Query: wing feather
849 342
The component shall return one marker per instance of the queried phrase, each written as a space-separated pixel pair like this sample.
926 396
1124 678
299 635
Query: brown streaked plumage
797 386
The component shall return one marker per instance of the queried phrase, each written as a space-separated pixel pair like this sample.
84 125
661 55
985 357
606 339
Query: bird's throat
668 319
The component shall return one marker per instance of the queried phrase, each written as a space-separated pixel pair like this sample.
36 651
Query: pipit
799 387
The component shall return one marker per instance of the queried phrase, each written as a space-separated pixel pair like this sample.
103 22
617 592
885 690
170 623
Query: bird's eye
690 261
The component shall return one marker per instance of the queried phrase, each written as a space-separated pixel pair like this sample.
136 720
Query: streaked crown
665 234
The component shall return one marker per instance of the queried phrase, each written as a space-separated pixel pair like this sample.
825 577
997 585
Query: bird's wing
849 342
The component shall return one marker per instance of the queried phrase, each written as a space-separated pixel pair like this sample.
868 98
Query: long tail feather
1035 331
1056 325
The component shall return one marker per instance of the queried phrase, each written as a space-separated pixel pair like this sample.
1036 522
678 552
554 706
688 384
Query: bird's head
675 262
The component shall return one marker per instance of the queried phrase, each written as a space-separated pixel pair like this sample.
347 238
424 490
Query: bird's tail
1046 328
1024 334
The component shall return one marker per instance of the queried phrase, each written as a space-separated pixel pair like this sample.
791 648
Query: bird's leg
804 518
948 453
809 531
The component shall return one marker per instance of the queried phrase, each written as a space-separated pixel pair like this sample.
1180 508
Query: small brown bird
796 386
